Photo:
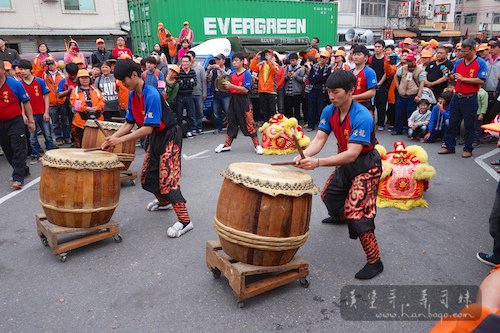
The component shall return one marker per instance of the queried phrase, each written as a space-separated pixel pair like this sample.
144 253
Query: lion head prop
277 135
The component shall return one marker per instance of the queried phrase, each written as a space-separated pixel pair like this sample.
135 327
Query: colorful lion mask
405 177
277 135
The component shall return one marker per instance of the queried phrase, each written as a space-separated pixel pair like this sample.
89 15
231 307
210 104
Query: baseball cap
410 56
185 22
339 53
220 56
83 72
77 61
408 40
175 68
99 40
7 65
425 54
434 43
324 53
268 51
483 47
361 49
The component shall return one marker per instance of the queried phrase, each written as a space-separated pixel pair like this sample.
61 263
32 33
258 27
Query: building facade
362 14
478 18
26 23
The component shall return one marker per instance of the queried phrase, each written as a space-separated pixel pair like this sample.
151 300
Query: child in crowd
482 101
440 119
419 119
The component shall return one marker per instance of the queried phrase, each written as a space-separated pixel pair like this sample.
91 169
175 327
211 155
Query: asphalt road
150 283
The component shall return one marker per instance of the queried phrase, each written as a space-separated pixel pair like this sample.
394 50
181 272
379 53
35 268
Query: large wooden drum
79 189
263 213
93 137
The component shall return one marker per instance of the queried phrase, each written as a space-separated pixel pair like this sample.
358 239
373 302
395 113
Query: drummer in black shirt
437 72
376 62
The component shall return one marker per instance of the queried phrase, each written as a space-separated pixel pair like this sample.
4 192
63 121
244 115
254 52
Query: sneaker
220 148
369 271
217 131
155 205
259 150
17 185
34 160
380 128
179 229
199 132
189 134
68 141
487 258
60 142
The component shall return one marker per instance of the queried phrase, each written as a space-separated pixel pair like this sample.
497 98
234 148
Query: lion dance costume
277 135
405 177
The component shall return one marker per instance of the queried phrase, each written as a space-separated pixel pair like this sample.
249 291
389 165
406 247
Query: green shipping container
222 18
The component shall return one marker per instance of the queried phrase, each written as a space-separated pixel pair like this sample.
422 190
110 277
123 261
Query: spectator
317 97
464 103
65 87
87 103
39 99
185 99
410 80
377 64
199 91
280 84
294 86
120 48
8 54
80 63
221 98
184 48
57 112
315 43
482 101
267 69
12 120
101 55
73 53
338 62
162 66
366 78
483 51
172 86
491 85
437 72
329 48
168 44
153 77
109 88
440 119
96 71
186 33
39 61
419 120
425 58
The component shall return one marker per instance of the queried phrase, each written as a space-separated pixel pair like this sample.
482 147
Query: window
496 18
5 4
444 17
87 5
373 8
470 18
458 18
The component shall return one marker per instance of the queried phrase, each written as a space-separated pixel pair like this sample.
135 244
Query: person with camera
216 69
294 85
265 65
437 72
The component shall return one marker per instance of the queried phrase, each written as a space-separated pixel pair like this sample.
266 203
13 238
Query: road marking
480 160
196 156
14 193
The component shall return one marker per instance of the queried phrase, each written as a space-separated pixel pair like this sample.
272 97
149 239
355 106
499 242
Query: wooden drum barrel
79 189
93 137
263 213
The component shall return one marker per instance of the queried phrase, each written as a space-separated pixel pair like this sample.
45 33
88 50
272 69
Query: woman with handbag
87 103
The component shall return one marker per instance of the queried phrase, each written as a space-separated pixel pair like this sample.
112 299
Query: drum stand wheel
249 280
49 233
128 176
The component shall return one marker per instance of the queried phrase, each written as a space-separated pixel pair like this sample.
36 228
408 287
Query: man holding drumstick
351 191
161 169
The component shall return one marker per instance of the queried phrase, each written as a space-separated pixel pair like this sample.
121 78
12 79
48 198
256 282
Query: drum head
79 159
271 180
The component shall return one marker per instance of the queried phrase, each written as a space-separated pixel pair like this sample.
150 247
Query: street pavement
151 283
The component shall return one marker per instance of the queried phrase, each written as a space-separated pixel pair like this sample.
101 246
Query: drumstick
101 128
283 163
92 149
299 148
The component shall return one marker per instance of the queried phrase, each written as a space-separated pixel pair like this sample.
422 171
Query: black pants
13 142
267 105
391 114
495 225
292 106
381 105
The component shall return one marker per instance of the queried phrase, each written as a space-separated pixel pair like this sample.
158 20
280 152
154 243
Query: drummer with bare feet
351 191
161 169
